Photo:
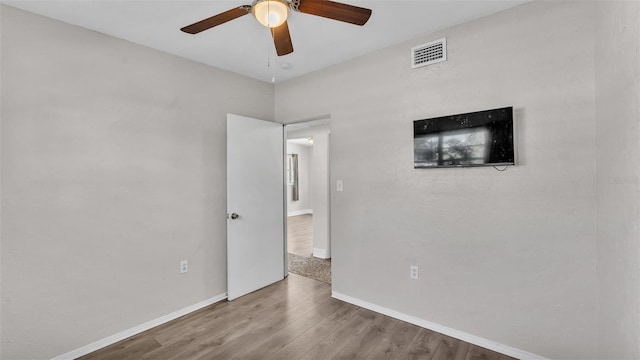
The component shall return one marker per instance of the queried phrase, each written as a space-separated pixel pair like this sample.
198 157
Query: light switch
339 185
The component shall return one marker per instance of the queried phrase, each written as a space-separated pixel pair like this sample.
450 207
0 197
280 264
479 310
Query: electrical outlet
414 272
184 266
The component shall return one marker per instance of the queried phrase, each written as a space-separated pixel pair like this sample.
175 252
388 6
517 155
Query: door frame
295 126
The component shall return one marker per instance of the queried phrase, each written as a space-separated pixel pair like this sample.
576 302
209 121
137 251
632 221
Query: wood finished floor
293 319
300 235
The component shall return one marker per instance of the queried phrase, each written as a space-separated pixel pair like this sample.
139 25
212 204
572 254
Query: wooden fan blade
217 19
336 11
282 39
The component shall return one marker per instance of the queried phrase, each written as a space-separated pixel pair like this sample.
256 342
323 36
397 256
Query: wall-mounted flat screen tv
482 138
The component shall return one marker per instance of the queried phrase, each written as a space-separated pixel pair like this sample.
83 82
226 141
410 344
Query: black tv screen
474 139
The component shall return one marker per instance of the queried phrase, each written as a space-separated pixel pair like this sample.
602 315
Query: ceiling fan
273 14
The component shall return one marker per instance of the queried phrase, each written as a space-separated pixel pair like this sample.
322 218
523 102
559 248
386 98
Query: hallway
300 248
300 235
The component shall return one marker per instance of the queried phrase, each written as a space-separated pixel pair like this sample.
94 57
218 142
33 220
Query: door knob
234 216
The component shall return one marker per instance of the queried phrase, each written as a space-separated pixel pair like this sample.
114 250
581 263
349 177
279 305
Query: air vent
429 53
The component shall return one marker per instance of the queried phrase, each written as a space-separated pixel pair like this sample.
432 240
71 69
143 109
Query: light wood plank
291 320
131 348
395 343
364 343
461 351
423 346
300 235
280 338
332 344
306 341
447 348
478 353
345 313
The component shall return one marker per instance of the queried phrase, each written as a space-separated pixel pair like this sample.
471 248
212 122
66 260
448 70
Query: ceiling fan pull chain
270 65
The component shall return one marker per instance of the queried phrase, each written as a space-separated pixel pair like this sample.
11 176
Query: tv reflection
463 147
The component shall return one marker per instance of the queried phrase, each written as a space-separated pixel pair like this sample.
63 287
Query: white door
255 204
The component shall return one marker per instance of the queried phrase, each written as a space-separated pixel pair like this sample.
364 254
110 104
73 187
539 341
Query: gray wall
320 193
113 159
508 256
304 164
617 65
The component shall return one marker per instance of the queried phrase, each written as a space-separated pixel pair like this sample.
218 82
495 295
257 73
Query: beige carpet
311 267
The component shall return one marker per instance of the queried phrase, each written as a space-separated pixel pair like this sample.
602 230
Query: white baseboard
299 212
321 253
472 339
97 345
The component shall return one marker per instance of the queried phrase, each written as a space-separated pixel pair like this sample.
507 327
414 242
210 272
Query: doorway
307 192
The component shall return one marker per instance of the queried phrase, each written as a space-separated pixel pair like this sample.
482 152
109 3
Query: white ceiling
245 47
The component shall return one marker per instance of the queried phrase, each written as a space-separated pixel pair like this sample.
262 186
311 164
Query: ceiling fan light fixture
271 13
